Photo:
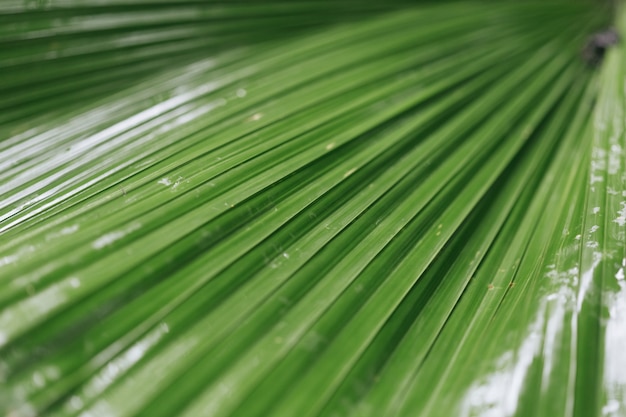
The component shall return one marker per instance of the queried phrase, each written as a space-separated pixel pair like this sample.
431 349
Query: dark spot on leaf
597 44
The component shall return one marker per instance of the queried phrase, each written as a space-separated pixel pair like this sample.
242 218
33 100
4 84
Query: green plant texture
312 209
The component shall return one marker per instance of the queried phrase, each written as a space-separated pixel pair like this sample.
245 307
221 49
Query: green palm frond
311 209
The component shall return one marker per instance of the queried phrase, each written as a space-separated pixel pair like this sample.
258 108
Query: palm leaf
310 209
